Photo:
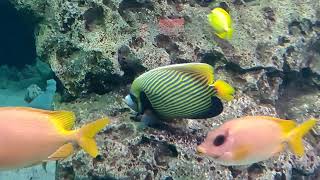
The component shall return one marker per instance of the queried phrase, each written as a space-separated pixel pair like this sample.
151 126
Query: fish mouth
215 156
201 150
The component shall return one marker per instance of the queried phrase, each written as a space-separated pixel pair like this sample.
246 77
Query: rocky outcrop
99 46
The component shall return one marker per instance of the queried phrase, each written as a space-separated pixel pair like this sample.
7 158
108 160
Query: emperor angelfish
179 91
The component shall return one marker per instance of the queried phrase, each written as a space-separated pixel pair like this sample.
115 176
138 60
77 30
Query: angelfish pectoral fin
63 152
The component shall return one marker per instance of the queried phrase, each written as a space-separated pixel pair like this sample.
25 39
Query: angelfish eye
219 140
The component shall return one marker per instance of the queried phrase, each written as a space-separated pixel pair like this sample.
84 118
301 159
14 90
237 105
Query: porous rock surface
99 46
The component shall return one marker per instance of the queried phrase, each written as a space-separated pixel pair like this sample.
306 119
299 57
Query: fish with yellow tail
179 91
221 22
251 139
31 136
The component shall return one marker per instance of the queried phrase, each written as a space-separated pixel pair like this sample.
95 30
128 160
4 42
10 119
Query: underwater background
93 50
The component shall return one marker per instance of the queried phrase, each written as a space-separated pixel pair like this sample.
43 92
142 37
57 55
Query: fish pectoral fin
240 153
295 136
63 119
63 152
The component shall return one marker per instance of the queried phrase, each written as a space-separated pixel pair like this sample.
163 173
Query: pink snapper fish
251 139
30 136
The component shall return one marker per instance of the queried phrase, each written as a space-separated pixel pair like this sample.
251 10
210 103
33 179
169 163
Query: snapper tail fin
87 133
295 136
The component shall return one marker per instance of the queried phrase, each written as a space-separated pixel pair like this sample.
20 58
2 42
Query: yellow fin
225 35
198 68
286 125
63 152
63 119
240 153
295 136
87 133
224 90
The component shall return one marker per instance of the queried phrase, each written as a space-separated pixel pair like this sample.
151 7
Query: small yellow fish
30 136
251 139
221 22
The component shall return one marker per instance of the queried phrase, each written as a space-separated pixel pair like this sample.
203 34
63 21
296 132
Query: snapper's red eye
219 140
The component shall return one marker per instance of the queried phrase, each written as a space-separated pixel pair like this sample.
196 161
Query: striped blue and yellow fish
179 91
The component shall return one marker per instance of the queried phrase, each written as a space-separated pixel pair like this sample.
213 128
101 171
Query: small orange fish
30 136
252 139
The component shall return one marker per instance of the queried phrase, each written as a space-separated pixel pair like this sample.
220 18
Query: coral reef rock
97 47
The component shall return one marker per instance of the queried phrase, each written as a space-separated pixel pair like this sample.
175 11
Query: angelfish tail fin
224 90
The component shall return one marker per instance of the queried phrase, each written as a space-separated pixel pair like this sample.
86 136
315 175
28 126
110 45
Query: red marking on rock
171 26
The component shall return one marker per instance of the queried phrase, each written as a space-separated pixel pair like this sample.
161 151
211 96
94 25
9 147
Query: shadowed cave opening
17 43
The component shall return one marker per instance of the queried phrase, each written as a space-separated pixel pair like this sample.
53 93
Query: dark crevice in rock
280 176
303 80
179 61
110 4
100 83
163 151
305 75
66 172
282 40
134 6
255 169
300 174
211 57
68 19
129 64
204 3
234 172
164 41
294 85
93 16
225 6
105 177
269 13
300 27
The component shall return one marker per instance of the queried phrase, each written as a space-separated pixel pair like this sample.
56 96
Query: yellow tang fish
221 22
251 139
30 136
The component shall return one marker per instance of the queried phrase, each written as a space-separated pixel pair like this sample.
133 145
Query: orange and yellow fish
30 136
251 139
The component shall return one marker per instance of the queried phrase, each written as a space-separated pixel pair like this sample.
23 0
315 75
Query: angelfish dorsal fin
198 68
